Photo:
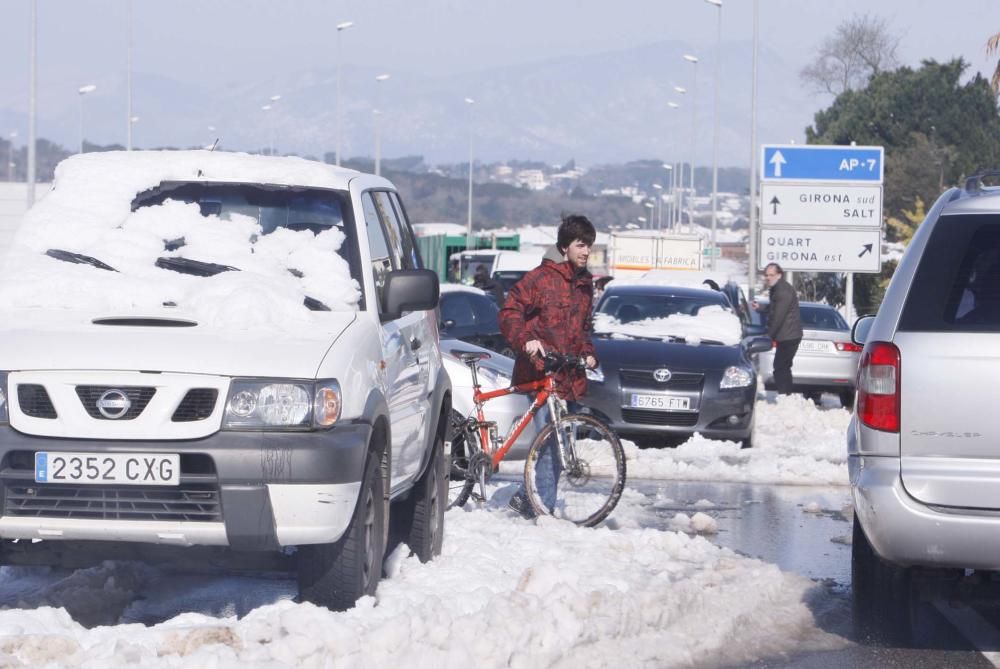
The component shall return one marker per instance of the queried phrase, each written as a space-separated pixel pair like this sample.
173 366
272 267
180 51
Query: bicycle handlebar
557 361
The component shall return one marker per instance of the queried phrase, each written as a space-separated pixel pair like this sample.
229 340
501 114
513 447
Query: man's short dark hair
574 227
776 267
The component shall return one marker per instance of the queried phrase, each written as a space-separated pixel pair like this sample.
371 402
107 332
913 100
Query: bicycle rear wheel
461 478
587 489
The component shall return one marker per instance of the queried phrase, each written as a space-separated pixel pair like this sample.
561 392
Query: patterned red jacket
551 303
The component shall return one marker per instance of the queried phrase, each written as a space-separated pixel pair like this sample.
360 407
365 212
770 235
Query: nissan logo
114 404
662 375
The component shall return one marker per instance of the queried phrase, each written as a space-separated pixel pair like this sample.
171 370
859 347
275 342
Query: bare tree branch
860 47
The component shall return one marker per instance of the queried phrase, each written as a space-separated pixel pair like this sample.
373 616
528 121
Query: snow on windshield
89 212
712 323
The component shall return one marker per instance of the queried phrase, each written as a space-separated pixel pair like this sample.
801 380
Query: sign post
821 209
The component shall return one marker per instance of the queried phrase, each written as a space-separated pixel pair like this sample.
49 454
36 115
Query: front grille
198 404
673 418
643 378
196 499
138 396
34 401
192 502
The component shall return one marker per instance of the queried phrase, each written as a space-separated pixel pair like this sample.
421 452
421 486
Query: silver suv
924 443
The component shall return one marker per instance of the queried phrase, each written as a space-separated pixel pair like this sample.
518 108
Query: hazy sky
257 41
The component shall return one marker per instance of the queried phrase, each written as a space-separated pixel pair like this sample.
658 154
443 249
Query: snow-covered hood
53 340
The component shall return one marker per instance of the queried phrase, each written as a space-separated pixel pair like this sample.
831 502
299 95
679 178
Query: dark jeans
783 356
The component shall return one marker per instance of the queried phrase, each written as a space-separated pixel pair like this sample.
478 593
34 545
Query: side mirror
409 290
862 326
759 345
752 330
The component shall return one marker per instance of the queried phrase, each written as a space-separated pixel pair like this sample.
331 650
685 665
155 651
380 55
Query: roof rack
974 184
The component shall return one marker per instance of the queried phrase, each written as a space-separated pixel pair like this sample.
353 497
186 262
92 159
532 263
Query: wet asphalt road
807 530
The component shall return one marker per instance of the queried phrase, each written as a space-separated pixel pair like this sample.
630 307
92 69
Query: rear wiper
194 267
78 259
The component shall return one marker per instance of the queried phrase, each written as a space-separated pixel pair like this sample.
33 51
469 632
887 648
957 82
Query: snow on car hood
89 213
712 323
52 340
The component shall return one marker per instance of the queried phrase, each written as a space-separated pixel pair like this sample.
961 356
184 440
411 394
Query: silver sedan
827 359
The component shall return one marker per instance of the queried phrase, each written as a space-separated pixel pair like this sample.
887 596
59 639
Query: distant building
532 179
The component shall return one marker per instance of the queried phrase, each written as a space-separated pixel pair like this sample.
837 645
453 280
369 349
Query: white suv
221 357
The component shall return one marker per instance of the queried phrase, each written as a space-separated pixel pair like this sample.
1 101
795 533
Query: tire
847 399
336 575
883 595
588 494
418 521
460 480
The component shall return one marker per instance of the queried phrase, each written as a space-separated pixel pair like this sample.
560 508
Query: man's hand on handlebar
534 347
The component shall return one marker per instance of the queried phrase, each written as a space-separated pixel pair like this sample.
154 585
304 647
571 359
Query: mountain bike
587 454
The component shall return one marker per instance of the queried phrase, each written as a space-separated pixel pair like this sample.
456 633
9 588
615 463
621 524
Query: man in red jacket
549 309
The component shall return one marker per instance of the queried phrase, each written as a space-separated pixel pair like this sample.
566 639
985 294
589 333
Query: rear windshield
956 287
818 318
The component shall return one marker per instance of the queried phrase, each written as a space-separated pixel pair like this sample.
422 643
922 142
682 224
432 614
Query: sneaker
520 504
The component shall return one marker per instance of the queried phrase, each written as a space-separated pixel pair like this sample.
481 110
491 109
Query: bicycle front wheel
582 480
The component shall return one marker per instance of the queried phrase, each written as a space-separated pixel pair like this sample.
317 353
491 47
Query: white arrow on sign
777 160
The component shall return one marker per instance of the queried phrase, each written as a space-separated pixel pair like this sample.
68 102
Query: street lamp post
84 90
128 78
468 239
32 103
752 237
10 156
715 128
694 131
652 211
270 123
673 195
341 27
132 120
376 113
659 205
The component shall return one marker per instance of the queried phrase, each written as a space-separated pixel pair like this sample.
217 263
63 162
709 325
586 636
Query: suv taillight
878 387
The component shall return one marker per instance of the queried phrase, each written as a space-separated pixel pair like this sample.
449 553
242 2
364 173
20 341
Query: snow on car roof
89 212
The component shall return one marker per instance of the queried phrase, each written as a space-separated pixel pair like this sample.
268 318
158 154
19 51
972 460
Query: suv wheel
418 521
884 596
336 575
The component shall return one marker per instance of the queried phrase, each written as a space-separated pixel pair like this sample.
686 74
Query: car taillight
878 387
848 346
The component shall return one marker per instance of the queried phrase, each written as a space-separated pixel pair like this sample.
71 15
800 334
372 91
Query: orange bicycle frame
543 387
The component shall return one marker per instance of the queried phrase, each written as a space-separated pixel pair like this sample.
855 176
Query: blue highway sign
822 162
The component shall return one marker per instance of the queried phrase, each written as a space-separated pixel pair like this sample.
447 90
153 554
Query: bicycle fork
566 442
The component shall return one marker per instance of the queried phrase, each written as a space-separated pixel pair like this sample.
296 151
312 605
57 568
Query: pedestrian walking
784 325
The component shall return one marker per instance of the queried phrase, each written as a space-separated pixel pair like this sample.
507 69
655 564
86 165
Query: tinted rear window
956 287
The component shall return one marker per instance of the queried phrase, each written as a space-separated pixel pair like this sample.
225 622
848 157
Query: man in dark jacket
549 309
482 280
784 325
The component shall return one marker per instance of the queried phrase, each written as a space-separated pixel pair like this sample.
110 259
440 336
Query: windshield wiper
78 259
194 267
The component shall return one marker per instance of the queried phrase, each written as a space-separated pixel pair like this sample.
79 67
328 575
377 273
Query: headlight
736 377
282 405
4 413
596 375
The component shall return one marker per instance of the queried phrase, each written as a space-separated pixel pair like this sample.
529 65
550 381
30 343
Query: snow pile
89 212
505 593
794 442
712 323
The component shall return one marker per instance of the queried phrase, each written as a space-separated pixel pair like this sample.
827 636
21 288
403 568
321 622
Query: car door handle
415 344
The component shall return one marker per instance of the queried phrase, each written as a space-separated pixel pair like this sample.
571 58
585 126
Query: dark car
674 361
471 315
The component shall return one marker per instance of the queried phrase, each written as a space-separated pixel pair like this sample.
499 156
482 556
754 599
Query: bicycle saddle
470 356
